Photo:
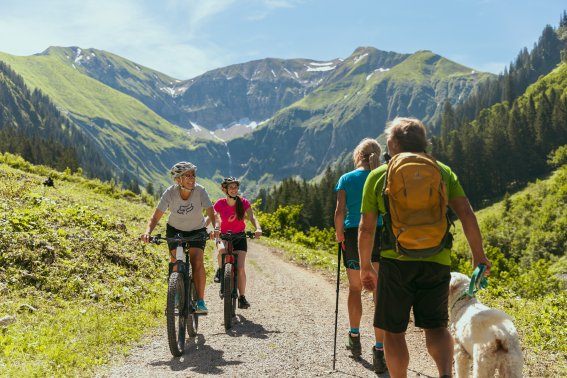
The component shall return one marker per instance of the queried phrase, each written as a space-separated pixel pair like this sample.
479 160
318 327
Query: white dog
484 336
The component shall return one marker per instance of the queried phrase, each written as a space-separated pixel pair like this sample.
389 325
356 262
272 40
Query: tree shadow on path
199 358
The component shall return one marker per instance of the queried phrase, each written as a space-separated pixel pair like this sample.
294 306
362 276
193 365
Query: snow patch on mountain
173 91
320 67
376 70
360 57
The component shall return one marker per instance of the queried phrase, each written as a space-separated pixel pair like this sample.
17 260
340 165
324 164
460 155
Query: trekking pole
337 306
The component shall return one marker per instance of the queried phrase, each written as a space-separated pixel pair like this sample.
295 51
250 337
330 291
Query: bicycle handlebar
158 239
229 236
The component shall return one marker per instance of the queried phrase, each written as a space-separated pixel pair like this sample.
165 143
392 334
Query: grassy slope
524 237
71 253
79 94
125 124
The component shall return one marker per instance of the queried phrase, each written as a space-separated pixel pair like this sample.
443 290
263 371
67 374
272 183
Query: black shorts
406 284
240 244
172 231
351 259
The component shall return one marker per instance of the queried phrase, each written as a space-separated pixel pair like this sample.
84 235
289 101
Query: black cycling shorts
172 231
238 245
351 259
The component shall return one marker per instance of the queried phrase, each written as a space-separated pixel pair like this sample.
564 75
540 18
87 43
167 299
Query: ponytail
374 160
239 208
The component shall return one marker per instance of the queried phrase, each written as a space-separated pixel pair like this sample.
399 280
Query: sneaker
217 276
242 302
378 361
353 344
201 308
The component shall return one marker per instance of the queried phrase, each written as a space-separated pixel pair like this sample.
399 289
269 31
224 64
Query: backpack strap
388 238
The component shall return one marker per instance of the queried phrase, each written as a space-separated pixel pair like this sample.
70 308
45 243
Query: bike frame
183 268
229 257
183 263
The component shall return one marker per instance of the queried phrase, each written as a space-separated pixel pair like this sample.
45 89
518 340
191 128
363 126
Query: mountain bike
229 281
181 294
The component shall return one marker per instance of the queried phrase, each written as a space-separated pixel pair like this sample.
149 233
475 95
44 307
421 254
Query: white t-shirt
185 215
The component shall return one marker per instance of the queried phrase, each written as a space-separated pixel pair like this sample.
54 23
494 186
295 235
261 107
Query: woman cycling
366 157
186 201
230 213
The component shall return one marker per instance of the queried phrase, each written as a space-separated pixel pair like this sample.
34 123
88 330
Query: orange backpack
416 200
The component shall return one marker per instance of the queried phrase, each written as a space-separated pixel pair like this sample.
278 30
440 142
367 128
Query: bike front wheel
192 317
175 314
227 294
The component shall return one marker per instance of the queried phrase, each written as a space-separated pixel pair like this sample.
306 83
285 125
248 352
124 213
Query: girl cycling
230 213
186 201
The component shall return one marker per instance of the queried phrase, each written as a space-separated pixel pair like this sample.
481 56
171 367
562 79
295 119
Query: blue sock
379 345
354 330
200 302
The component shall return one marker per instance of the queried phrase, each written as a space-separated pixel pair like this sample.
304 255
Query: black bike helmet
180 168
229 180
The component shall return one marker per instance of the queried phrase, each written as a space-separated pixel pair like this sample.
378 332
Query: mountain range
261 121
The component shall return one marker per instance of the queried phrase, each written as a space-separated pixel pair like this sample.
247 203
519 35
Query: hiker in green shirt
419 282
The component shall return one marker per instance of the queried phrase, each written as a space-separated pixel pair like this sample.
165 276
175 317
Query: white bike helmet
180 168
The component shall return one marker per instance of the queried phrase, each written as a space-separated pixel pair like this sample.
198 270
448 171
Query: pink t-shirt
227 213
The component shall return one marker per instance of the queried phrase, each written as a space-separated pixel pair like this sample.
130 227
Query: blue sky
185 38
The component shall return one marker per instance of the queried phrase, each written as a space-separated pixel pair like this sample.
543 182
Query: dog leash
478 281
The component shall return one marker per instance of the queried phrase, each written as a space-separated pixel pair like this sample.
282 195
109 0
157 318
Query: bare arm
154 219
211 219
340 216
366 231
255 223
464 211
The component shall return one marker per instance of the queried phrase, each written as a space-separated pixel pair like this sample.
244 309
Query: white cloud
154 37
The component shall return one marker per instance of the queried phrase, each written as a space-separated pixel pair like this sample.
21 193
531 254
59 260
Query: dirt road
287 332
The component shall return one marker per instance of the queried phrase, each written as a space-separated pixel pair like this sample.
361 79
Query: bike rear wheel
192 317
175 314
227 294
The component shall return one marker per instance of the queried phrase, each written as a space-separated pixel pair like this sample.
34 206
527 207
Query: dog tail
511 358
501 339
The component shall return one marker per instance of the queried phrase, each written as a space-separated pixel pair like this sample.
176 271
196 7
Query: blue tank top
353 183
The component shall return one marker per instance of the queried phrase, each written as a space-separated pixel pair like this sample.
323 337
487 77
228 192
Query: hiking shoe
353 344
201 308
242 302
217 276
378 360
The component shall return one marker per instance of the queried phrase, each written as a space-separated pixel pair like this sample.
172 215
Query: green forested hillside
32 126
129 135
511 123
509 140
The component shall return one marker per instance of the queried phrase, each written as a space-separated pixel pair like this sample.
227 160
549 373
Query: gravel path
287 332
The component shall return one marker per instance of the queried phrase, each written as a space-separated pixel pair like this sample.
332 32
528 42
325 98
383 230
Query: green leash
478 281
